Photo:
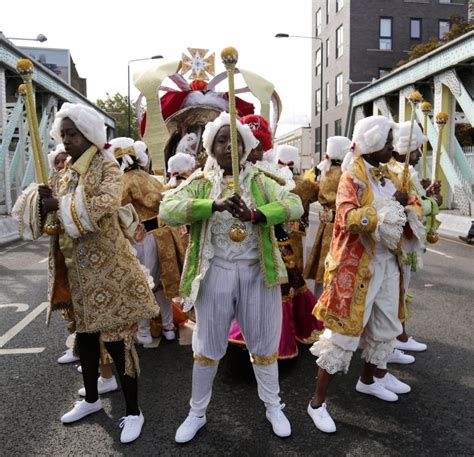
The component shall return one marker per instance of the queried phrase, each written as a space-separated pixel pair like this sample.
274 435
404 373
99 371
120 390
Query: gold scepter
25 69
426 109
414 98
441 120
238 231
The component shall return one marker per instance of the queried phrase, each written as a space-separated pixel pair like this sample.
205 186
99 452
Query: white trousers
147 255
381 323
236 290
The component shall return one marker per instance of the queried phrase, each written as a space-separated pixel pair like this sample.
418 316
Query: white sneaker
280 424
391 383
321 418
104 385
81 409
169 335
398 356
79 368
144 339
377 390
188 429
68 357
411 345
132 427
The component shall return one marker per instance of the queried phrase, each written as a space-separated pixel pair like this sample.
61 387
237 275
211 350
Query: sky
104 35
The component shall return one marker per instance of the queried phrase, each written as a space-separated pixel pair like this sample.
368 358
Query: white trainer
81 409
391 383
131 427
79 368
188 429
280 424
169 335
377 390
322 418
400 357
411 345
68 357
104 385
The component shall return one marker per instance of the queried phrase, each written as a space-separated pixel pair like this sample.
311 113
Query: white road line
10 248
20 307
4 339
44 260
439 253
21 351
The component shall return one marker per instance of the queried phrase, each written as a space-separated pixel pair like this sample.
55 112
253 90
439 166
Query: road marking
44 260
21 351
20 307
9 248
439 253
4 339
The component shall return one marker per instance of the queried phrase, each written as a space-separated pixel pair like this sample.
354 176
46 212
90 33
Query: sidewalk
8 230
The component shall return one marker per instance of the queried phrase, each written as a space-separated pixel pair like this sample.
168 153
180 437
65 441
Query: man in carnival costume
423 206
225 279
93 270
360 304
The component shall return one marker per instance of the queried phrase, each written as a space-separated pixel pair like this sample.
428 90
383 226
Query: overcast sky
104 35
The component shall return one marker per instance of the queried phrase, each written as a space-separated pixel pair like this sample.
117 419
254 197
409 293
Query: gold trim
75 216
204 360
263 359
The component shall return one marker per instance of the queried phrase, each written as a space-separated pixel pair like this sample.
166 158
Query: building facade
359 41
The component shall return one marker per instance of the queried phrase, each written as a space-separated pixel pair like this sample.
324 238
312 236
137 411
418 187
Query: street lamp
321 48
41 38
128 96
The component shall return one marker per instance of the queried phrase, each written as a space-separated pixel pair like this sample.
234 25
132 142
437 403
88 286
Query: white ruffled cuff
331 358
73 214
390 221
376 352
417 227
27 212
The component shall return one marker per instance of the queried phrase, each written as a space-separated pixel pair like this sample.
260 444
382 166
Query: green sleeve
283 206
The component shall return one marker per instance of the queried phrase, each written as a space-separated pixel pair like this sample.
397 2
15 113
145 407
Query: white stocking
203 378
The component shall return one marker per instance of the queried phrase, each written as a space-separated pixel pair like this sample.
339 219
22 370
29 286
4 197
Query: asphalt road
435 419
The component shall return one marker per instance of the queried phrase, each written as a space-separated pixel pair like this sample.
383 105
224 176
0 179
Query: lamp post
321 48
41 38
128 93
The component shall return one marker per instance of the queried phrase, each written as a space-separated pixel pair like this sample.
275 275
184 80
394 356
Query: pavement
435 419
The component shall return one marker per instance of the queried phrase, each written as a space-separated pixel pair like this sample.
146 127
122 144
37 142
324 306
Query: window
445 1
384 71
327 97
339 5
385 38
328 49
318 22
317 140
317 101
444 27
339 89
326 131
415 29
339 41
317 69
327 11
338 127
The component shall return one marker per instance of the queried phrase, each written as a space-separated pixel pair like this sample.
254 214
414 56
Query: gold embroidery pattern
75 216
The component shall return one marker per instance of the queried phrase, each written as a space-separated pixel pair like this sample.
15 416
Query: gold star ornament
199 65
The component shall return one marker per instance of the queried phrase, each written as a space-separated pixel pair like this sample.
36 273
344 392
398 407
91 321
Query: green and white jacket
191 204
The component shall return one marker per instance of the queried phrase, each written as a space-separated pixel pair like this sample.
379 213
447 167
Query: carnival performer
93 269
360 303
226 279
423 204
180 167
330 168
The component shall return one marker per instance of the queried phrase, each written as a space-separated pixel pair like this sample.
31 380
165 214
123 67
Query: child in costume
330 167
423 206
225 279
93 269
180 167
360 304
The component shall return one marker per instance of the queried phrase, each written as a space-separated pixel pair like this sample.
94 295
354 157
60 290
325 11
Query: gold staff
229 56
25 69
414 98
426 109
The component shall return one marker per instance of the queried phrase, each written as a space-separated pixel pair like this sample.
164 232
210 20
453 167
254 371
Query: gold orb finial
230 55
24 66
426 107
442 118
22 89
415 97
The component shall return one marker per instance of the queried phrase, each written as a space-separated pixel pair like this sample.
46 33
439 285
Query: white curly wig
370 134
87 121
210 132
58 149
401 134
129 151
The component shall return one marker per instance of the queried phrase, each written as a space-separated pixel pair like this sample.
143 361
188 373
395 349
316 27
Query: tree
458 26
117 107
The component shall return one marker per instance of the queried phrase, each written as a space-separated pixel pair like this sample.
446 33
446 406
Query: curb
453 226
